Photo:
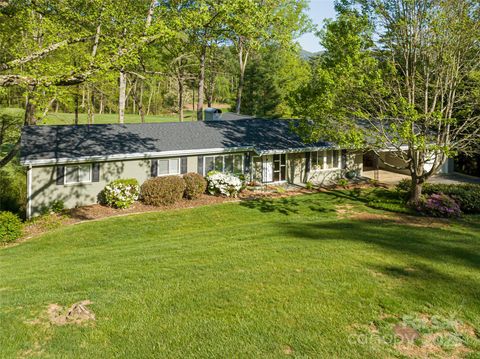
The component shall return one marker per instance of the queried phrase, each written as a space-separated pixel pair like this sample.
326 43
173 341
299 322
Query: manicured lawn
61 118
291 277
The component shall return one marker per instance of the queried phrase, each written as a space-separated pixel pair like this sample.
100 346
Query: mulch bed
96 211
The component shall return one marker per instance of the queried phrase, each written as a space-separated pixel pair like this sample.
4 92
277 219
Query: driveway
392 178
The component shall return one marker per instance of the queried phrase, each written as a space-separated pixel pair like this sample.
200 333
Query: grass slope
264 278
61 118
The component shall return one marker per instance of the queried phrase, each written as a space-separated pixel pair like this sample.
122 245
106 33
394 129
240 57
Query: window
168 167
78 173
322 160
224 163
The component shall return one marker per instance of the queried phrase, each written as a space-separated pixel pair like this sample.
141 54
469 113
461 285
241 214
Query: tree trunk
238 103
76 106
152 90
242 61
100 106
122 88
415 191
201 81
180 99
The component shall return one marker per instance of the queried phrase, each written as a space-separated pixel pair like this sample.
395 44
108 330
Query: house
75 163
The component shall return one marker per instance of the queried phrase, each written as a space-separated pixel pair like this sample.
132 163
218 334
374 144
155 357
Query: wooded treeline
146 56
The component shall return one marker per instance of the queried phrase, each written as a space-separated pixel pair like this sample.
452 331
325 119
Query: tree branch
42 53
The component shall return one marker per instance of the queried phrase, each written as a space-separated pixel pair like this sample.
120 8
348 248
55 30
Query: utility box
212 114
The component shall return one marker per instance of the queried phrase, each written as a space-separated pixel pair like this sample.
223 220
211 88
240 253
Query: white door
268 168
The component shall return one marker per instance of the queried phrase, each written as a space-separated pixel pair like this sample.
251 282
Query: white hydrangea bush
121 193
224 184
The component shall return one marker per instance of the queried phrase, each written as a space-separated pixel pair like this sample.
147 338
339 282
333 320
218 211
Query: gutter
177 153
29 192
134 156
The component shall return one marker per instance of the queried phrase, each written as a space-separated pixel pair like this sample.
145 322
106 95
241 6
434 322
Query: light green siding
44 190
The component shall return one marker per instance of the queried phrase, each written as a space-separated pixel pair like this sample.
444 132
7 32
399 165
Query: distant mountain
306 55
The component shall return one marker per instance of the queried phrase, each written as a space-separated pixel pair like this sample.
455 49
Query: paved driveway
392 178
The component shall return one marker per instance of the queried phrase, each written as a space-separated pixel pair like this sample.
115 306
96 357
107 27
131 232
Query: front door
268 168
274 168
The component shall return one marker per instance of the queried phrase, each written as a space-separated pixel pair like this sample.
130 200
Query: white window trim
314 168
223 161
77 165
169 173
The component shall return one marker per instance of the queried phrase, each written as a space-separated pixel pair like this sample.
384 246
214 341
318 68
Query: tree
256 24
275 72
66 43
392 77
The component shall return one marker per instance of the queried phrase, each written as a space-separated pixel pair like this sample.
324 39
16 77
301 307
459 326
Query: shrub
309 185
224 184
342 182
13 188
403 185
10 227
439 205
466 195
195 185
164 191
121 193
54 207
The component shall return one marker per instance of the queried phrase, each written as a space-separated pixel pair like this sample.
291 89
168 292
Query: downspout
29 191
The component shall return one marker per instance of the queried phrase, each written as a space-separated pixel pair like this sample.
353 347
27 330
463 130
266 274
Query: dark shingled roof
71 142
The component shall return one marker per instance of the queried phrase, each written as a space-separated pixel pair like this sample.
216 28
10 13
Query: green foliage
13 188
195 185
273 74
309 185
467 195
121 193
55 207
162 191
343 182
10 227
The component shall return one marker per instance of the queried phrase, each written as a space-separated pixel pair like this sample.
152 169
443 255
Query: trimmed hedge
466 195
10 227
162 191
195 185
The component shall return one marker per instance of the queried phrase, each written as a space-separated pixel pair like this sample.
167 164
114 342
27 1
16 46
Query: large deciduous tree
394 76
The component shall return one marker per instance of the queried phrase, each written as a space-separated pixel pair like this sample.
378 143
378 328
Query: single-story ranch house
74 163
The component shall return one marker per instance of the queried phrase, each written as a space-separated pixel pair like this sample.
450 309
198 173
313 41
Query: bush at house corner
10 227
121 193
223 184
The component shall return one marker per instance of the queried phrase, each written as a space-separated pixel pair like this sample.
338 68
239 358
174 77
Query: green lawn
289 277
61 118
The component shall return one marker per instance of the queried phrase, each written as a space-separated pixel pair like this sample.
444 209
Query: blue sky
319 10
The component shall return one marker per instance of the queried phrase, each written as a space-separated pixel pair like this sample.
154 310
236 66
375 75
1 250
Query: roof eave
133 156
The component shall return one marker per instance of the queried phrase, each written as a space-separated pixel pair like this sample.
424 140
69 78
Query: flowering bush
223 184
439 205
121 193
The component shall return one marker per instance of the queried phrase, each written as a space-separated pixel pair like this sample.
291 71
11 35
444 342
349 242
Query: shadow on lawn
286 206
423 243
